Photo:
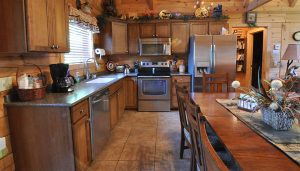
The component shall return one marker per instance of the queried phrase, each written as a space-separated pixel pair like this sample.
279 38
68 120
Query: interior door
225 55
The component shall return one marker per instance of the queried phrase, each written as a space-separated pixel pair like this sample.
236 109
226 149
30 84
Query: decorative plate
296 36
110 66
164 14
201 12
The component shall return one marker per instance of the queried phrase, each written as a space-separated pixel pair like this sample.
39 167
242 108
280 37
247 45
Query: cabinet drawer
80 110
116 86
181 79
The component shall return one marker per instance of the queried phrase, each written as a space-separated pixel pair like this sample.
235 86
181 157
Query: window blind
81 44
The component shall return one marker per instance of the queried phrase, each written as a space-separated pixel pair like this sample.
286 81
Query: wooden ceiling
187 6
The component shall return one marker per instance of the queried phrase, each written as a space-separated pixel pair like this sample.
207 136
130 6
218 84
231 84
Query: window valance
83 20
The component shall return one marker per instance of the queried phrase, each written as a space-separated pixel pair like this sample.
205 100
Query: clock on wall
296 36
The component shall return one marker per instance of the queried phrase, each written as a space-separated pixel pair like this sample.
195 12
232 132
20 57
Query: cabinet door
121 102
119 38
215 28
82 143
198 28
180 37
131 92
147 30
133 38
60 31
38 28
113 105
163 30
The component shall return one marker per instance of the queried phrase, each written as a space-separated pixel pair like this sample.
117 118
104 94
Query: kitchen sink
101 80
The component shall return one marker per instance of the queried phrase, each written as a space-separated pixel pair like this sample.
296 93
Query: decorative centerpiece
278 105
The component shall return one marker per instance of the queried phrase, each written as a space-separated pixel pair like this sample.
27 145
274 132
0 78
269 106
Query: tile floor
144 141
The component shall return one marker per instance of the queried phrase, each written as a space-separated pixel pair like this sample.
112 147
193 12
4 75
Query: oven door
154 87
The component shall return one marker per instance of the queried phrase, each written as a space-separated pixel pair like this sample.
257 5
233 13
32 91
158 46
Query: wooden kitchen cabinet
114 38
117 102
182 81
199 28
215 27
180 37
114 109
147 30
34 26
133 38
163 30
160 30
81 135
131 90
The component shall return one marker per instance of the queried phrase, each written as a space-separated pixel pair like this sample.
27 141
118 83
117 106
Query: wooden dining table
251 151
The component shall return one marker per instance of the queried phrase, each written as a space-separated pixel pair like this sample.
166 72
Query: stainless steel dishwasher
100 121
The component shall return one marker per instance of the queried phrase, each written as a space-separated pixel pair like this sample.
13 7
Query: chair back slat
194 120
215 82
181 92
211 159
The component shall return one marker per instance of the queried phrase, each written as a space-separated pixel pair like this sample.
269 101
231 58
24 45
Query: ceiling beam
245 3
292 3
150 4
256 3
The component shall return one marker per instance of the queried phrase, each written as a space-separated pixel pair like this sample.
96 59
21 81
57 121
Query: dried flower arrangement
278 97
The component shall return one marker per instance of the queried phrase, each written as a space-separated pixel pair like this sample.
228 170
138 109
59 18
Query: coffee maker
62 80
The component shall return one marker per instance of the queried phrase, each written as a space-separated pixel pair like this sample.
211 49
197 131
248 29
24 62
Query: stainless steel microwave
155 46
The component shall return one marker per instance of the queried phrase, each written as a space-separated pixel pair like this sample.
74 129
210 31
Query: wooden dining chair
211 158
215 82
185 140
194 118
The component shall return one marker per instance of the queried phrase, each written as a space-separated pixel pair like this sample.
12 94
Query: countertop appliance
155 46
211 54
62 80
154 87
100 121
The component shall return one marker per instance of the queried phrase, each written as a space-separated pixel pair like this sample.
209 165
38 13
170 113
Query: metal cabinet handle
153 35
56 46
53 46
81 111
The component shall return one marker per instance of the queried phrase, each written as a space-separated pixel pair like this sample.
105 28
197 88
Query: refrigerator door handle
214 57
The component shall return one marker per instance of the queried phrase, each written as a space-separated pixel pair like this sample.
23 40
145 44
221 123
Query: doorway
257 56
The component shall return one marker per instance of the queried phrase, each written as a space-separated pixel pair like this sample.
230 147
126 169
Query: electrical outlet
5 83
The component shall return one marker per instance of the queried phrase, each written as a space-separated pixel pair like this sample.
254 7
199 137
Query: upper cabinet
215 27
199 28
133 38
34 26
180 37
115 38
148 30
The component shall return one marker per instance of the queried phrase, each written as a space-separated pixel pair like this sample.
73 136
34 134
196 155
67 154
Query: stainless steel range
154 86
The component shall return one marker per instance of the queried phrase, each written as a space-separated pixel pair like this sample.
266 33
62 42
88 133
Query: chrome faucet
86 67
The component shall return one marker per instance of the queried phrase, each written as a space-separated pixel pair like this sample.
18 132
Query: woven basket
31 94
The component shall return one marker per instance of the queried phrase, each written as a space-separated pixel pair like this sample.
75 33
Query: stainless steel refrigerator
211 54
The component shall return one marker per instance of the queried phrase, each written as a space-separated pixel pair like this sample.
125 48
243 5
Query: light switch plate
5 83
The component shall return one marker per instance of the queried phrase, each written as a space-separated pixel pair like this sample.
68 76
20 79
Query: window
81 44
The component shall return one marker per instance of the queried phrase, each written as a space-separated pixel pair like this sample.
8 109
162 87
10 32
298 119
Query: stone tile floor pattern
144 141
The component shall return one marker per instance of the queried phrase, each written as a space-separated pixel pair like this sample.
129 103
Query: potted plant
279 106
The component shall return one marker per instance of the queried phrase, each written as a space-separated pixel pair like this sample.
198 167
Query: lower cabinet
131 89
117 102
81 135
181 80
113 105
